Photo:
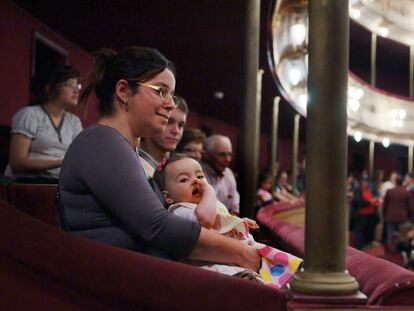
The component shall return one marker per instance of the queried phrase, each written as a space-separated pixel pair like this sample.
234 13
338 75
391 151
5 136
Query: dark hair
44 86
263 176
134 64
399 180
159 174
191 135
182 104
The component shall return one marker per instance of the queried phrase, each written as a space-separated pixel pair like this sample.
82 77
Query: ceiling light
355 92
303 100
355 13
354 104
357 136
383 31
298 33
401 114
294 75
394 113
386 142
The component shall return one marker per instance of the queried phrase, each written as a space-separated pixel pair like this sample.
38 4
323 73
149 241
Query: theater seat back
39 201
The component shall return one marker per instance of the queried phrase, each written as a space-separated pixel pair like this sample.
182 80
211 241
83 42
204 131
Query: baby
189 195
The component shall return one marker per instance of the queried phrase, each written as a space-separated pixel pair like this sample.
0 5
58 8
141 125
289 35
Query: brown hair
159 174
45 85
182 104
134 64
191 135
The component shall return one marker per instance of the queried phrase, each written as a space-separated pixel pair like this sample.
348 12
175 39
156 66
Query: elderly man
155 149
216 168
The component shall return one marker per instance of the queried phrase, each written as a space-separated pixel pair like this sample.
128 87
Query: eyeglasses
163 91
75 86
224 154
193 151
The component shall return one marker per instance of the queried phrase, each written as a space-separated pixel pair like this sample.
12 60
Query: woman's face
69 93
194 150
148 112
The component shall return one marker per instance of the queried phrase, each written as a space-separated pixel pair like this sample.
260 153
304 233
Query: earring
169 201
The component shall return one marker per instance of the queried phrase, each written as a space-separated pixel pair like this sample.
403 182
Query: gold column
373 58
295 148
274 142
326 151
250 118
371 159
410 159
411 86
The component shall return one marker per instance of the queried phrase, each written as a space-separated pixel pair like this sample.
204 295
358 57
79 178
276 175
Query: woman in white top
43 131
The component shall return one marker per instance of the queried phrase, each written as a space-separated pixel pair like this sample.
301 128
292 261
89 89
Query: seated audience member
218 156
365 207
157 148
104 192
282 190
405 244
190 196
43 131
264 186
389 184
396 208
192 143
349 198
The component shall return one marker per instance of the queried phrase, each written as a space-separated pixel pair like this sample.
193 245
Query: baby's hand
250 223
206 188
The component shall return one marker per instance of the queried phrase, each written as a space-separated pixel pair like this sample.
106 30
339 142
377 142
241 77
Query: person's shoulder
98 131
228 172
29 111
71 117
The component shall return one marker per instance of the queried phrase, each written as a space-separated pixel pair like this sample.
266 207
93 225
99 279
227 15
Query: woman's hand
250 259
213 247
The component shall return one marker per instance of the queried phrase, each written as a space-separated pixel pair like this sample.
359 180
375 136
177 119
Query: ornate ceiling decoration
372 114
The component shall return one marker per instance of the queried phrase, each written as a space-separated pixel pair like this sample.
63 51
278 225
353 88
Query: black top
106 197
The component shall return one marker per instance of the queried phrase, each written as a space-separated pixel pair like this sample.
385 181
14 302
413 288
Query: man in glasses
219 154
155 149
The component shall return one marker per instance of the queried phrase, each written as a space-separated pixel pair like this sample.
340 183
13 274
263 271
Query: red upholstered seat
39 201
48 269
383 282
3 192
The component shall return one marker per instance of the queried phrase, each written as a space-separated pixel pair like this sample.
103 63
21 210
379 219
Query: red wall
16 35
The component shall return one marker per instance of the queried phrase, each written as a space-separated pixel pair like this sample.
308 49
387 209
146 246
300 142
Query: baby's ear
167 197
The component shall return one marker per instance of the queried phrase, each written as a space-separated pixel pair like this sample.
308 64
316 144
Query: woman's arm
19 157
213 247
206 209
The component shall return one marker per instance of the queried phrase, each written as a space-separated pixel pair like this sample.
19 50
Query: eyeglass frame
158 88
75 86
224 154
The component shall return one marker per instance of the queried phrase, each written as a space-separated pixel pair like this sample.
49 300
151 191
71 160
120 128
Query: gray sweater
105 196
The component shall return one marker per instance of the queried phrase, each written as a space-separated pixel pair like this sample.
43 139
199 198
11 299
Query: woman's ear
122 92
167 197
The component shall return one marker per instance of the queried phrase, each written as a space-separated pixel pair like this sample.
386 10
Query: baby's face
182 181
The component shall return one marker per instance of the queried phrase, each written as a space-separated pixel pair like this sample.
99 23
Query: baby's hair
159 174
